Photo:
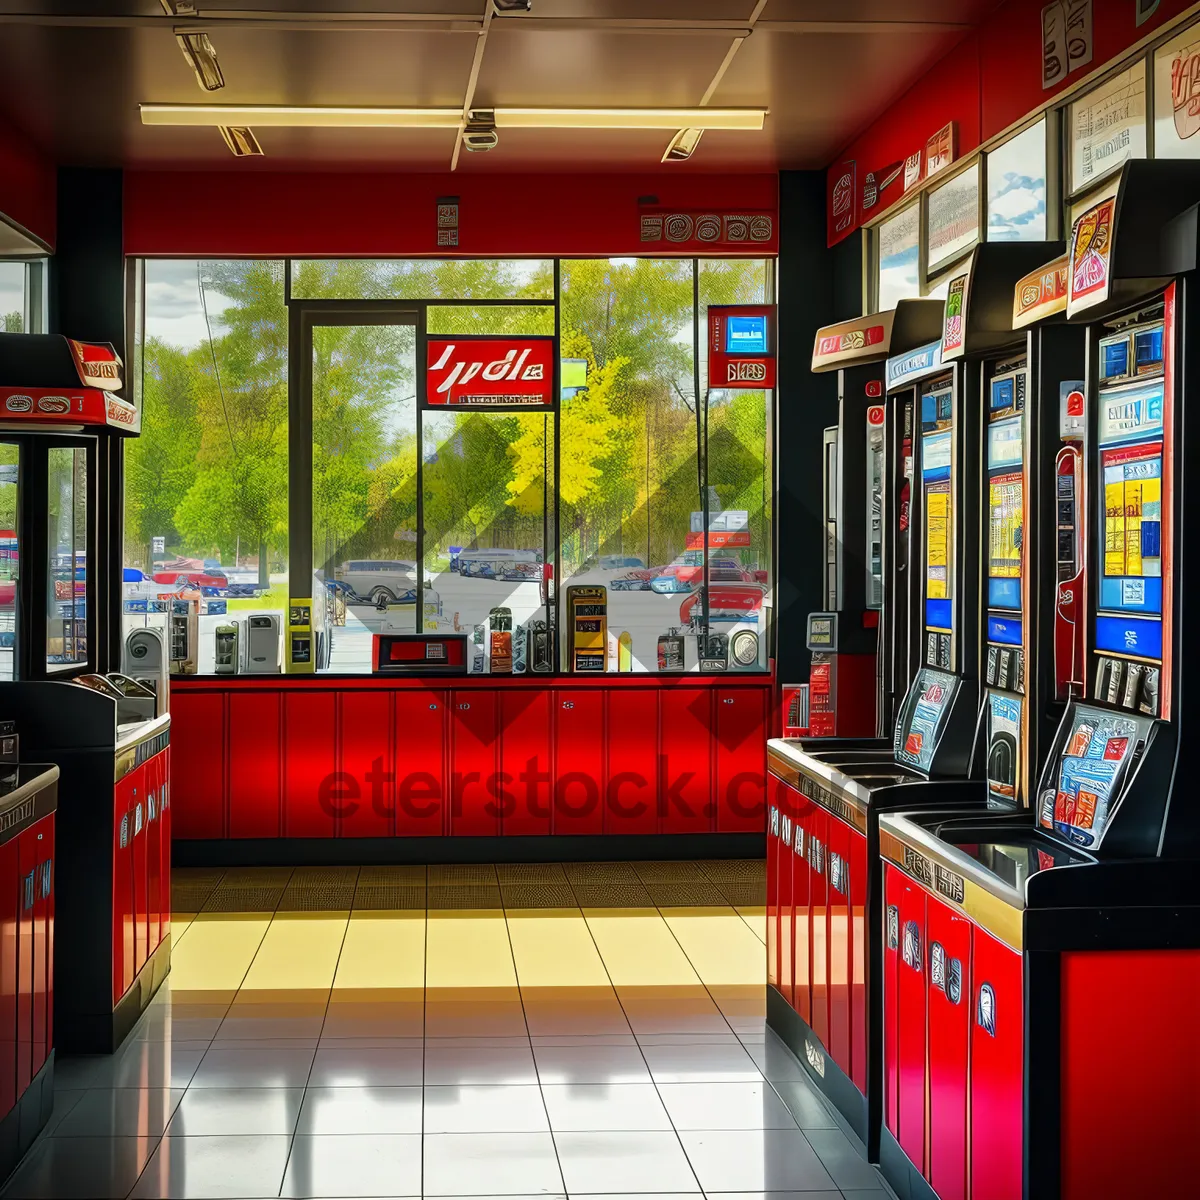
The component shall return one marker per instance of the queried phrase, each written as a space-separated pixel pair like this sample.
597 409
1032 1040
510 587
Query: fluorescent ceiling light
630 118
317 116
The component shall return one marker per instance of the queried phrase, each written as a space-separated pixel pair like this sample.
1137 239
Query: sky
12 288
173 309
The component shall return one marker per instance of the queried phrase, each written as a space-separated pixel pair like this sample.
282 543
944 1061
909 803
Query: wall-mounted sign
1091 254
917 364
674 230
954 323
1108 126
447 220
1041 293
940 148
490 372
741 346
842 201
1177 96
98 365
952 217
865 339
1066 39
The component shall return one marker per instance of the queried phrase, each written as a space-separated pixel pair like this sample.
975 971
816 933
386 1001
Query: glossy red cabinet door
141 871
858 960
997 1047
893 891
818 921
840 942
366 795
741 737
787 912
775 867
631 780
949 1039
164 818
309 788
527 775
421 789
198 742
155 776
10 907
801 914
474 807
49 880
26 973
255 764
122 910
41 850
685 785
579 761
912 975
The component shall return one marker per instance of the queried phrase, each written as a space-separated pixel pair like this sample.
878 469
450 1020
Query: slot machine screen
1114 358
923 717
1148 350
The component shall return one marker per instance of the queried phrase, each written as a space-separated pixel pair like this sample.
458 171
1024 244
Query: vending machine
832 794
1042 955
845 675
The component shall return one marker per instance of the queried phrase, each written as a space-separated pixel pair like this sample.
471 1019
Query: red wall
27 185
989 81
285 213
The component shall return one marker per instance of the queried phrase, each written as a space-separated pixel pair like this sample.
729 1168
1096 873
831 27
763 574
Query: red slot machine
932 499
847 667
1069 905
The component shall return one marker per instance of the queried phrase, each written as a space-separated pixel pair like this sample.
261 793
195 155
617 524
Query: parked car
378 580
195 579
726 603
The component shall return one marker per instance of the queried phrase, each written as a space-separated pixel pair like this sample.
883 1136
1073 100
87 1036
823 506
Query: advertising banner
490 372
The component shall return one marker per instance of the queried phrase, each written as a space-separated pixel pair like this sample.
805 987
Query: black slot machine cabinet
830 799
845 643
1043 958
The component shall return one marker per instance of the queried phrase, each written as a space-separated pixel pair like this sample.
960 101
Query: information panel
937 461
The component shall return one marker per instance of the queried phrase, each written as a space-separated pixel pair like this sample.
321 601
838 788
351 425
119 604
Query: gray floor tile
360 1066
776 1061
725 1106
594 1107
624 1162
253 1067
843 1160
727 1063
196 1168
805 1103
491 1164
763 1160
590 1064
120 1112
354 1165
368 1110
208 1112
488 1064
86 1167
64 1100
485 1108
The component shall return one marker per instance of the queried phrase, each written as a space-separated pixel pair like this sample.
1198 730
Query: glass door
67 528
362 396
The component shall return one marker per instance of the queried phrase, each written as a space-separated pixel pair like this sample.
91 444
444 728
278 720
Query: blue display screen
1148 348
1123 635
1114 359
746 335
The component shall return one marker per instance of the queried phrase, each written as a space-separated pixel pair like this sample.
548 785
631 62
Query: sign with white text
490 372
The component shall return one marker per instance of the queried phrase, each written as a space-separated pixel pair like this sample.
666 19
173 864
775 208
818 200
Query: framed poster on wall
1107 126
952 217
1177 96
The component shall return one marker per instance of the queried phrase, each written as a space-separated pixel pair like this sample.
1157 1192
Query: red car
190 578
726 602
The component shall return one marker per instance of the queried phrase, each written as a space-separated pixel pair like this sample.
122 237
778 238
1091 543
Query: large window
206 483
1016 186
22 295
460 521
899 250
67 546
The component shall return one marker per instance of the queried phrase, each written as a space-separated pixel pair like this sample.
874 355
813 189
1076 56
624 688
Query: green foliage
210 471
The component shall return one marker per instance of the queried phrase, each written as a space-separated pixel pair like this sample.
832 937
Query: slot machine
1059 929
835 793
587 623
845 642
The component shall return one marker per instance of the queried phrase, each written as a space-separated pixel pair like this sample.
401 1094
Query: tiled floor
580 1030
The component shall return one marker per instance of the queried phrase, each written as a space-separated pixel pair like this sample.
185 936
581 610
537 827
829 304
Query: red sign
717 539
490 372
98 365
842 202
73 406
741 346
875 414
678 230
853 339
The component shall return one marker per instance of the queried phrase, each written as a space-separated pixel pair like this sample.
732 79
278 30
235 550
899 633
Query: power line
212 350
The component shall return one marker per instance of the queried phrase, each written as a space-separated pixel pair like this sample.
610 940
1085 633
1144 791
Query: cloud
1017 209
174 313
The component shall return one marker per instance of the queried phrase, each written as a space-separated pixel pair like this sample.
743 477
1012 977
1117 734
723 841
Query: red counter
303 757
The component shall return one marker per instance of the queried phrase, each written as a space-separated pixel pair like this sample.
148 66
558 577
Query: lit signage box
474 372
741 346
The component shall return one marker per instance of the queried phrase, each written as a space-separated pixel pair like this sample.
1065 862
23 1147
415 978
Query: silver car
379 580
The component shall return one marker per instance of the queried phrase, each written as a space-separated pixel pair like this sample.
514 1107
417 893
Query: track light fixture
511 6
683 145
241 141
199 52
479 133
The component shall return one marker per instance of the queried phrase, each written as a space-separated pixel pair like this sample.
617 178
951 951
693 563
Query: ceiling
72 73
